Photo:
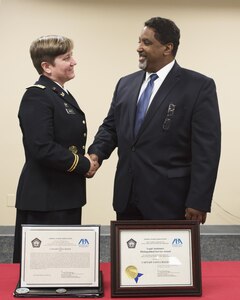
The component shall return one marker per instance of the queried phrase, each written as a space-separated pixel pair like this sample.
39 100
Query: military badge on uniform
57 92
73 149
70 111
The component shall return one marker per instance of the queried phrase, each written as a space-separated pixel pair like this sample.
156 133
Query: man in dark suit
52 187
168 160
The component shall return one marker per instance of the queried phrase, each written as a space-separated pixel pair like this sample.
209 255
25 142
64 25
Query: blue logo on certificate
177 242
83 243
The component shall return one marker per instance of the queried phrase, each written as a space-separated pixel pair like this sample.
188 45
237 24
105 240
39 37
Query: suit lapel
161 95
133 96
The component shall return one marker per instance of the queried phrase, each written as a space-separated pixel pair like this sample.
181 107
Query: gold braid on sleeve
75 162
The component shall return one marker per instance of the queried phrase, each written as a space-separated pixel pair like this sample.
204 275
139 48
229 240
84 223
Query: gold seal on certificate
132 272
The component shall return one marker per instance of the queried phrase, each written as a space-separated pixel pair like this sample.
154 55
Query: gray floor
217 243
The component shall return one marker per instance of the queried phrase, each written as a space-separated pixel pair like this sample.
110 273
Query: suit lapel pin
171 109
170 114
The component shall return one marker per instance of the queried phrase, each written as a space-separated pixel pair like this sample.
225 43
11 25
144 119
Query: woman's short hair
47 48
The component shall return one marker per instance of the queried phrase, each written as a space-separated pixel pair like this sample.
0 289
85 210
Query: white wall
106 35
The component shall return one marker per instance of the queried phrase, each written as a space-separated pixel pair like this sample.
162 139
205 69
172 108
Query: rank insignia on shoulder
40 86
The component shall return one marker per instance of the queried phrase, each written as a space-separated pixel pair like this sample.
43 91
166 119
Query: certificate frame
56 246
124 234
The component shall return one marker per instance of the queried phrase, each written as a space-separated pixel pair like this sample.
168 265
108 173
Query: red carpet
220 280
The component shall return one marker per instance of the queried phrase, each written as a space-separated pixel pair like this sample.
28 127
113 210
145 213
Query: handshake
94 165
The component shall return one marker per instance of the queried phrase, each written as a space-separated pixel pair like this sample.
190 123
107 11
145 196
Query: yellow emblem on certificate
132 273
73 149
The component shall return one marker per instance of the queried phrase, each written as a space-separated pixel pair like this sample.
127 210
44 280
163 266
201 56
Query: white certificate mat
57 256
157 258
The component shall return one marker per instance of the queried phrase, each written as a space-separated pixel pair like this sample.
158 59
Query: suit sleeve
106 140
36 121
206 140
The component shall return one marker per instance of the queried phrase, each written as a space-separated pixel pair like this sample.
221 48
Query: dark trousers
131 213
60 217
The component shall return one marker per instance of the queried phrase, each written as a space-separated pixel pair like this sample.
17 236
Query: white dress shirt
162 74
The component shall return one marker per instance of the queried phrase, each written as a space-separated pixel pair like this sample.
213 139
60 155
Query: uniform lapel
71 100
161 95
59 91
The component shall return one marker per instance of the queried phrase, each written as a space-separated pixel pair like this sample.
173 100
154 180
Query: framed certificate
60 256
155 258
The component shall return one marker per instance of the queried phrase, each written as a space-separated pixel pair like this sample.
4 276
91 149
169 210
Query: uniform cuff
80 165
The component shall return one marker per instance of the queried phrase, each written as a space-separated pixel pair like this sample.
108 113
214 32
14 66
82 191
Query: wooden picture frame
155 258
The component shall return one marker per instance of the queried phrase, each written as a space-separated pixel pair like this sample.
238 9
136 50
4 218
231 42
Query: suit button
84 134
83 147
133 149
83 121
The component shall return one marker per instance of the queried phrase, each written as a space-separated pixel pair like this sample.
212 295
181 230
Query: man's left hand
194 214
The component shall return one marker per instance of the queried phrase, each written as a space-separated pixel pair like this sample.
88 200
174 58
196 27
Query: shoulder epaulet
40 86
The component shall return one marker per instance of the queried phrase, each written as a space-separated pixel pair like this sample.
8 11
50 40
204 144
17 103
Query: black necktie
143 103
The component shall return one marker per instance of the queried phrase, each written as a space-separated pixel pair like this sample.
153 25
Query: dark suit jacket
172 163
51 122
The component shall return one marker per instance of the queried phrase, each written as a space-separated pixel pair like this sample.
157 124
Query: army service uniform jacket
54 136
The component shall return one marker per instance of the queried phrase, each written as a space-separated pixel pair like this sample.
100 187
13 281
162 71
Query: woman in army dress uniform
52 186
